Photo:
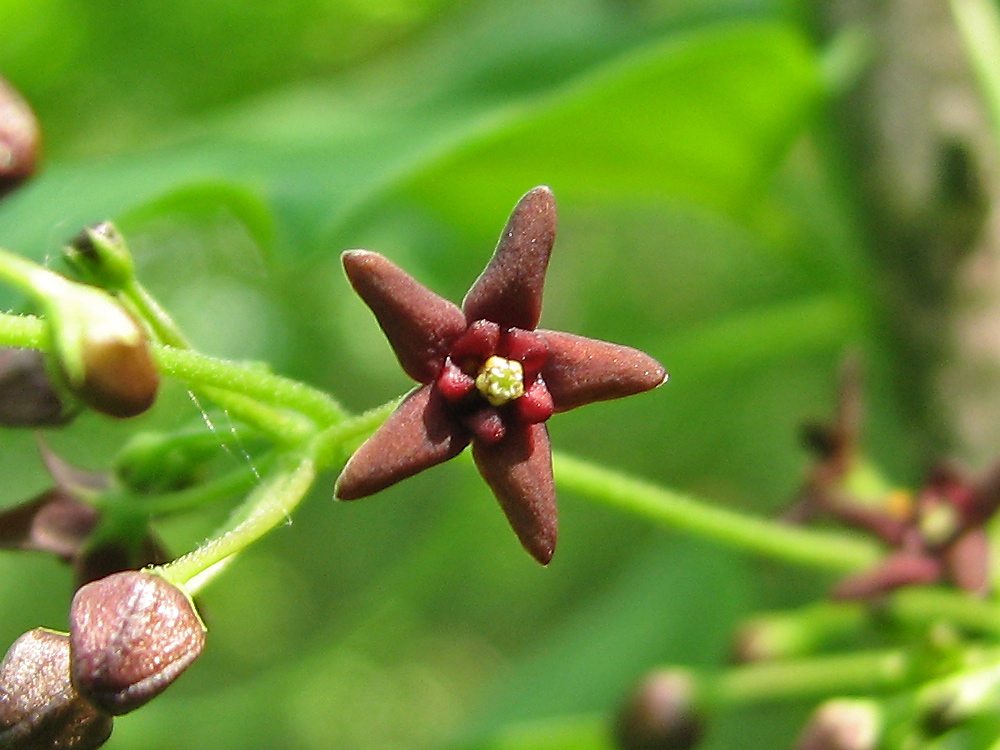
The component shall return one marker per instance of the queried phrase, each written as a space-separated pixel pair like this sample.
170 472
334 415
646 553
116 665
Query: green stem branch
252 380
267 506
828 551
857 672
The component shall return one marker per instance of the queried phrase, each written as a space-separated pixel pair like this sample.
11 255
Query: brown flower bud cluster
131 635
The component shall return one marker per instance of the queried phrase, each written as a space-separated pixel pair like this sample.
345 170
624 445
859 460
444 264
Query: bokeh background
747 189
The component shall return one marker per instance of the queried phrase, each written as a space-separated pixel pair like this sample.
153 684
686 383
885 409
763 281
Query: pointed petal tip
542 551
662 374
353 257
541 199
540 191
344 491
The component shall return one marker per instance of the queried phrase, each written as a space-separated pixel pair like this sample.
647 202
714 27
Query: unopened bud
19 139
661 714
132 635
100 255
28 397
103 351
952 701
842 724
39 707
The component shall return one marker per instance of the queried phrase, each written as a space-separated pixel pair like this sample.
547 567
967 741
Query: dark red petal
509 291
882 524
486 425
63 525
16 522
536 403
968 561
479 342
986 497
69 477
418 435
528 348
900 569
54 522
581 370
453 383
420 325
519 471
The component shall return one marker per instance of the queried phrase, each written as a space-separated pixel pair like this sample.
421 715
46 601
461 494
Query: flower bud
39 707
103 351
950 702
28 398
132 635
661 713
100 255
19 139
842 724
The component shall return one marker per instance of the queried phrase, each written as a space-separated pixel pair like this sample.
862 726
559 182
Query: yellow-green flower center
939 522
500 380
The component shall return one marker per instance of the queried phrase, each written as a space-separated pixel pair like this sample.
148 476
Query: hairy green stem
190 367
27 331
267 506
252 380
163 326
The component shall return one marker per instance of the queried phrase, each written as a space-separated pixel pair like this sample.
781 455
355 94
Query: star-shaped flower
488 375
936 536
940 538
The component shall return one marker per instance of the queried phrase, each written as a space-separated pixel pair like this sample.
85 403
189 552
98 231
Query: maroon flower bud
19 139
842 724
39 707
660 714
28 397
132 635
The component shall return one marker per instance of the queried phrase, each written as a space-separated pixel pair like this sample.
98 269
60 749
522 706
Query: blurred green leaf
704 118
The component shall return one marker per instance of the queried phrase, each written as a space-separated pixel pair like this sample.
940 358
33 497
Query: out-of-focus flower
20 139
661 713
489 376
942 537
60 521
39 707
935 535
132 634
28 397
842 724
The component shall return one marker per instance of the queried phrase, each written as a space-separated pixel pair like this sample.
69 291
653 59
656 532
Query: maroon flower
488 375
61 522
936 536
941 537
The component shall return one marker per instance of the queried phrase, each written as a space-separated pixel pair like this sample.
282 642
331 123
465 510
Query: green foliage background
242 145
